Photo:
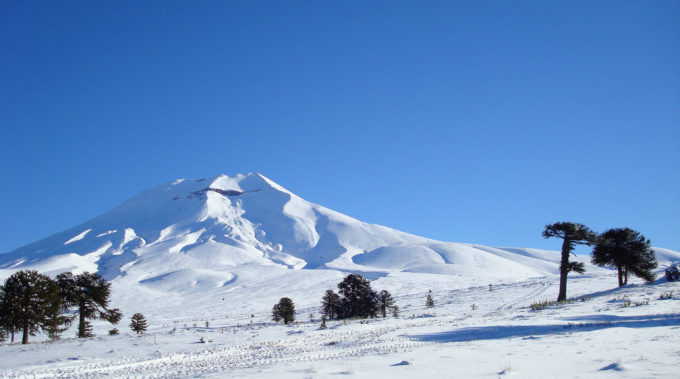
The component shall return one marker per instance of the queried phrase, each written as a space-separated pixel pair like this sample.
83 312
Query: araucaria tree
331 306
29 302
628 251
359 300
138 323
90 293
572 234
385 301
284 310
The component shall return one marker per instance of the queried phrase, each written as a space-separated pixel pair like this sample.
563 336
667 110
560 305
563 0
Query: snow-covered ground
210 257
600 334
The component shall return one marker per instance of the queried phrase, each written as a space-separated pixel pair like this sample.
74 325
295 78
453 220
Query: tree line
624 249
31 302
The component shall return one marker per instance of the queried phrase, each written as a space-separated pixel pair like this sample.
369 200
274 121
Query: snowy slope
222 234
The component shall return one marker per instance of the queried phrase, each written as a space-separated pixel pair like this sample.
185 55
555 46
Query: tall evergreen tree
385 301
628 251
331 306
358 297
572 234
8 319
30 302
284 310
138 323
90 293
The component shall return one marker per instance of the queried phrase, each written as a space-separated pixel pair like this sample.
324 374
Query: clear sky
467 121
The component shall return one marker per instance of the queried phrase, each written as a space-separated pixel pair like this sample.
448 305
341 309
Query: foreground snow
599 335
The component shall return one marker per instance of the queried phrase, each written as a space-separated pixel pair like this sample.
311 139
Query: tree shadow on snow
594 322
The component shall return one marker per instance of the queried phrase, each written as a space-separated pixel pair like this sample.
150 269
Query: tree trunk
564 270
625 276
619 269
81 321
24 339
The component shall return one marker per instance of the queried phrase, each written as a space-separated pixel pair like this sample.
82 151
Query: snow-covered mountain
225 232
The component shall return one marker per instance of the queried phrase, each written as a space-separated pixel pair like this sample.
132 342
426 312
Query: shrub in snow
113 332
138 323
284 311
672 274
429 302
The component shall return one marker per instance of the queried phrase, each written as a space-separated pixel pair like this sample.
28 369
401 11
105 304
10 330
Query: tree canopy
284 311
626 250
30 302
359 299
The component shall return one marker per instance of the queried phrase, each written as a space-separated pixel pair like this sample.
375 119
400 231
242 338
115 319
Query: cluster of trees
31 302
356 298
622 248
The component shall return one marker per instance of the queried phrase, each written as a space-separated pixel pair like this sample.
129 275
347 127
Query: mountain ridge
188 230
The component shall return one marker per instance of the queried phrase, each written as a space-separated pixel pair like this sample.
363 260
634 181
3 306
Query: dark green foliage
90 293
113 332
138 323
385 301
331 306
359 300
30 302
429 302
626 250
572 234
672 273
284 311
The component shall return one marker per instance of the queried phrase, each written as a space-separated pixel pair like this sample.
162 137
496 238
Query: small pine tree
395 311
113 332
429 302
323 323
138 323
385 301
331 305
284 310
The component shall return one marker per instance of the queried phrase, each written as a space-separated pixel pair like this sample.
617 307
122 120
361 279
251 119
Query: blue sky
475 121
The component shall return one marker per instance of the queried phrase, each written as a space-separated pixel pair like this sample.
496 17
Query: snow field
595 337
